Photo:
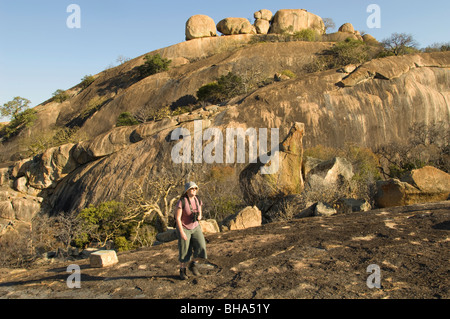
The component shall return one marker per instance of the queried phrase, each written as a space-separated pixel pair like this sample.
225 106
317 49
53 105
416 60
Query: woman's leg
199 248
184 252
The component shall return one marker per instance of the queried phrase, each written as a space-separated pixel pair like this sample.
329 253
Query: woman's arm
200 212
179 224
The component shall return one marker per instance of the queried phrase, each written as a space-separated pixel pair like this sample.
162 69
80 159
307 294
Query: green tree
19 113
104 222
12 108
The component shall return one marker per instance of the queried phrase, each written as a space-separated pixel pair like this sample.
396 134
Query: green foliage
154 64
289 74
60 96
342 53
210 92
225 88
350 52
307 35
86 81
104 222
116 221
126 119
20 121
122 244
39 142
13 108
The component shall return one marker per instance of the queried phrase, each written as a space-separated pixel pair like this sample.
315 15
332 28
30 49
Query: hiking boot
183 274
193 267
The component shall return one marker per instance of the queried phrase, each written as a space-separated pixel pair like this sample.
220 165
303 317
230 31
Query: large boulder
347 27
229 26
262 21
286 180
294 20
423 185
200 26
262 26
47 169
328 173
263 14
248 217
429 180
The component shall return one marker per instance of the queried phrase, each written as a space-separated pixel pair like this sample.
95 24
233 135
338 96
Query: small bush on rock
154 64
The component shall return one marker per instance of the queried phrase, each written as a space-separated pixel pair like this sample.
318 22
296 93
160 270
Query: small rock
103 258
323 209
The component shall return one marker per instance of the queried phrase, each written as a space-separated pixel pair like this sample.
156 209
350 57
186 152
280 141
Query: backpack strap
185 198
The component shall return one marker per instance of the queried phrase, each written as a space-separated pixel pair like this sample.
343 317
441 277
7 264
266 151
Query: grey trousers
194 245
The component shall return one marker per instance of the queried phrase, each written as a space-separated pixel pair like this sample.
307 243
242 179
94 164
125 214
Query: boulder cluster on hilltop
285 21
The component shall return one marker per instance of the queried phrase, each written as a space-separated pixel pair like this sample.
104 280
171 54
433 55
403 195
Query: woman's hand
183 235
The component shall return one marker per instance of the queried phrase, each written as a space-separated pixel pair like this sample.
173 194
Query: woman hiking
191 241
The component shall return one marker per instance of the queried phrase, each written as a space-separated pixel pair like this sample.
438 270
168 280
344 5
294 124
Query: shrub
22 120
342 53
60 96
154 64
365 165
438 47
39 142
225 88
349 52
289 74
428 144
210 92
121 243
104 222
126 119
86 81
307 35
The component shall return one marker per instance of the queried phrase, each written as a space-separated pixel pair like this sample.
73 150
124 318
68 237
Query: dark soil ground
315 257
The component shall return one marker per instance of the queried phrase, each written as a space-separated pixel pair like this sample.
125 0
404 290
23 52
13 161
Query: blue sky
40 54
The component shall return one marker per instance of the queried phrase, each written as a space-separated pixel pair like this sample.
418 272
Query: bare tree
329 24
400 44
154 196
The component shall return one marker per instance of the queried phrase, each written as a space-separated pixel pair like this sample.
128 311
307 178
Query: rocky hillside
317 257
368 105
